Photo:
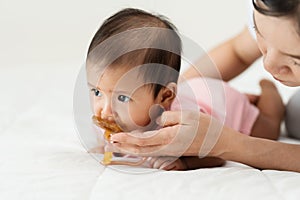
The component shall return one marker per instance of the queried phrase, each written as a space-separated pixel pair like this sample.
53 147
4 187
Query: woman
277 40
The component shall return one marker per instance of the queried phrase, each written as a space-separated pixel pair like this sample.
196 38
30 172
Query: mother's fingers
171 118
175 138
150 138
137 150
146 151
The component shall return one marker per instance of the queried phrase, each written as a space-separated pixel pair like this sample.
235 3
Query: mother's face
279 42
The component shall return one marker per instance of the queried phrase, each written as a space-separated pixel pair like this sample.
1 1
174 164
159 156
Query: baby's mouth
110 128
107 125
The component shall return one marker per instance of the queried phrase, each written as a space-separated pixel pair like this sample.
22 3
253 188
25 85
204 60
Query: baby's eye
123 98
96 92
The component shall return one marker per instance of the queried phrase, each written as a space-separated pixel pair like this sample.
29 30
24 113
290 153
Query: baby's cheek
140 118
297 75
93 105
134 117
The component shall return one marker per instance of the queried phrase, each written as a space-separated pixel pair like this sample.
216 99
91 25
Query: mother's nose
273 62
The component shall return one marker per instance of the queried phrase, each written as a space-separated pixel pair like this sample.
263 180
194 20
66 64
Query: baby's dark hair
279 8
133 37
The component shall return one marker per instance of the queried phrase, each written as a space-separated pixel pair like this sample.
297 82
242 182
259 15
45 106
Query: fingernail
111 137
110 141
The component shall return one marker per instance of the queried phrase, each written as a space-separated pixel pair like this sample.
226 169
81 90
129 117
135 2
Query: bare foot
265 83
271 112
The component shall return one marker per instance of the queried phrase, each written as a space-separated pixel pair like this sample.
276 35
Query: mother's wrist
231 144
223 144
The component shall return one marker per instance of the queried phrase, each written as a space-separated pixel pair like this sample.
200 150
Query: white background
39 31
42 47
56 32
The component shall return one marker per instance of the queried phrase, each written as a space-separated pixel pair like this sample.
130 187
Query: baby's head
133 65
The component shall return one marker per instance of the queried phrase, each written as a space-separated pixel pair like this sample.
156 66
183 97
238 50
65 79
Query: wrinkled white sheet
233 181
41 156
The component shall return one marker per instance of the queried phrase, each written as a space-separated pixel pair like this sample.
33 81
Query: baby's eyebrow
89 84
115 91
92 86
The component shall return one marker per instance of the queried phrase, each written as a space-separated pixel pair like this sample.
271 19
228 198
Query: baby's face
122 99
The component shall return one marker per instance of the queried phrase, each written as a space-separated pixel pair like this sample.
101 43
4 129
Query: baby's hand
167 163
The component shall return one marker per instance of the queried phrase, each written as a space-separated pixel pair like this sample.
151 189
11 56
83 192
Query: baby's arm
196 162
184 163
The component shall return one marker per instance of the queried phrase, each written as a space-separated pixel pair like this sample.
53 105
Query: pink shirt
217 98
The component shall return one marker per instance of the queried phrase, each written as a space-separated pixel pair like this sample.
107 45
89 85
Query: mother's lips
277 79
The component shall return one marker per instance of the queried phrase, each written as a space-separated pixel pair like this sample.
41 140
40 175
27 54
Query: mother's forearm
261 153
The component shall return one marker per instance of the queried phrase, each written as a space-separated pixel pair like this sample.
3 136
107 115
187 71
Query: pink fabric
218 99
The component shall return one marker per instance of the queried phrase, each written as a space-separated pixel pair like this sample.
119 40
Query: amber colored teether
111 128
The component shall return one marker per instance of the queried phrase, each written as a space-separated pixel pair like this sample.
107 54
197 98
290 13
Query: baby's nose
104 110
106 113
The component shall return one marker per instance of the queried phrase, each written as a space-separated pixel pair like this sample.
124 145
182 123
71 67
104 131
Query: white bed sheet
42 157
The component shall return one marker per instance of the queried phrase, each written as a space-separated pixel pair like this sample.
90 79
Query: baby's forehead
113 71
116 77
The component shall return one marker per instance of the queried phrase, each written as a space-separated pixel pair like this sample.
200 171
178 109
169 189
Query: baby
133 65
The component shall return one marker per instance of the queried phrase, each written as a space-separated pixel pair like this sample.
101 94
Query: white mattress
42 156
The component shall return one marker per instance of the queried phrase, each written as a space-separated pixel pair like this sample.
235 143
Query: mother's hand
183 133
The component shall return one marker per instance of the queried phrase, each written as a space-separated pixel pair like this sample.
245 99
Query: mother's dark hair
279 8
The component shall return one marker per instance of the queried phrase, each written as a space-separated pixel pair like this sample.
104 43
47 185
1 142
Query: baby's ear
167 95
